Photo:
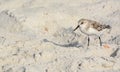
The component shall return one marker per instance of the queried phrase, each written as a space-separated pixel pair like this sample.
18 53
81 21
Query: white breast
92 31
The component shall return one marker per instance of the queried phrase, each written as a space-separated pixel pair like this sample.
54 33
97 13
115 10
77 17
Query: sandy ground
37 36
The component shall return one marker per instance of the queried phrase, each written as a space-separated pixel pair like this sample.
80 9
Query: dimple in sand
90 28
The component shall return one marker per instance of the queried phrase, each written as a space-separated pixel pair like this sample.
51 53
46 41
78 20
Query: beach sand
37 36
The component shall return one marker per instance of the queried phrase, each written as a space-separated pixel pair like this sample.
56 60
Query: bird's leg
100 41
88 40
76 28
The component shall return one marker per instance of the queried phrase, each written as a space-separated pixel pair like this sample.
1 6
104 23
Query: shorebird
90 28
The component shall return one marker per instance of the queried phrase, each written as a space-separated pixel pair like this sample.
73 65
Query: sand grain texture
37 36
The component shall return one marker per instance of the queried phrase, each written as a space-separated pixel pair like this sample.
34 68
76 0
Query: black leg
100 41
88 40
76 28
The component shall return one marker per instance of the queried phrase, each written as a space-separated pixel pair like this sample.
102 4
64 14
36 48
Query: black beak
76 28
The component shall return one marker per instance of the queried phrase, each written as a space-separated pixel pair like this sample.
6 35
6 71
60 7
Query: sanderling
90 27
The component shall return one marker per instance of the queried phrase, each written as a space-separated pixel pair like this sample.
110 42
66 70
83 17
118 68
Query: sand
37 36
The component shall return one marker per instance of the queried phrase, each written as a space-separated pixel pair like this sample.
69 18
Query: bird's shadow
74 44
68 36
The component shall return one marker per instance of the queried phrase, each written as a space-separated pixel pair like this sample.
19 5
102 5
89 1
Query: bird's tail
108 26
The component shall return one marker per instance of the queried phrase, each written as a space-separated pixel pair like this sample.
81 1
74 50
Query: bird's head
83 21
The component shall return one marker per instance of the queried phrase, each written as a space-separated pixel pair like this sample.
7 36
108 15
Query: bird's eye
82 22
